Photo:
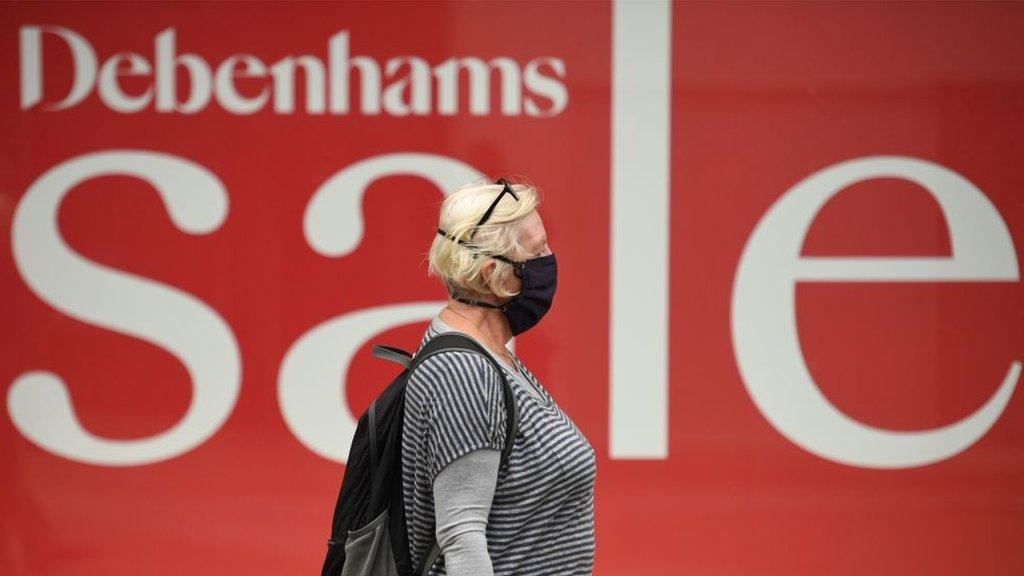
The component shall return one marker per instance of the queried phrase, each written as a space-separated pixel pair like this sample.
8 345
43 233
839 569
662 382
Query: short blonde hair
459 265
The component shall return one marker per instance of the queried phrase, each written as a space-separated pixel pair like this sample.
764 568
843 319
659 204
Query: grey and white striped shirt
541 519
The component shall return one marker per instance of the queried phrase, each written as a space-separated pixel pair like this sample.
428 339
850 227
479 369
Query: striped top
542 515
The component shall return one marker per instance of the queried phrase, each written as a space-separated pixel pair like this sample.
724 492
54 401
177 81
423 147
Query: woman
535 515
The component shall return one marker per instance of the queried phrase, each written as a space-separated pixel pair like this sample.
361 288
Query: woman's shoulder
456 398
455 374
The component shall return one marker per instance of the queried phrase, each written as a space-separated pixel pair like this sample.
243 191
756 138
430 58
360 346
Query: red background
762 96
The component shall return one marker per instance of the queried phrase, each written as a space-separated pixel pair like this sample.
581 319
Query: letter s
38 401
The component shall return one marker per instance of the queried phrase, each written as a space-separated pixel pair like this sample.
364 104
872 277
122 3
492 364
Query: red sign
789 316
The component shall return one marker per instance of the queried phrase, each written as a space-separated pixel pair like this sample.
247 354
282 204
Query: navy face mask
540 278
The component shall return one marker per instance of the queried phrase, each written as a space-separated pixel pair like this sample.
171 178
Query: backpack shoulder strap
458 341
392 354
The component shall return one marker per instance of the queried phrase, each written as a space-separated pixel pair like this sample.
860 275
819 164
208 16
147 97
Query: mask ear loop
517 266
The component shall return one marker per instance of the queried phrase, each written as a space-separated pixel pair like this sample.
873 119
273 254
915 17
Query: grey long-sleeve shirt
462 501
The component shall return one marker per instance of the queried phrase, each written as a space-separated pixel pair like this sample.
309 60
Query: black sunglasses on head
506 189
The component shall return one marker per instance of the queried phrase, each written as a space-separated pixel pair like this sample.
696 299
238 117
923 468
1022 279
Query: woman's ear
486 271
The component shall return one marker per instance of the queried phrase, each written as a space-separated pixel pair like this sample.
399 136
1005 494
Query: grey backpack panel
368 550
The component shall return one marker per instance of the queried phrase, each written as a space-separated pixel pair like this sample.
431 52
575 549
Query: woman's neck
486 324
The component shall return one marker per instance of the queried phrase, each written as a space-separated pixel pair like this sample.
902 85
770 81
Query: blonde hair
459 265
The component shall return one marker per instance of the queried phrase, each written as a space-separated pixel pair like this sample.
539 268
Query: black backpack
368 534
